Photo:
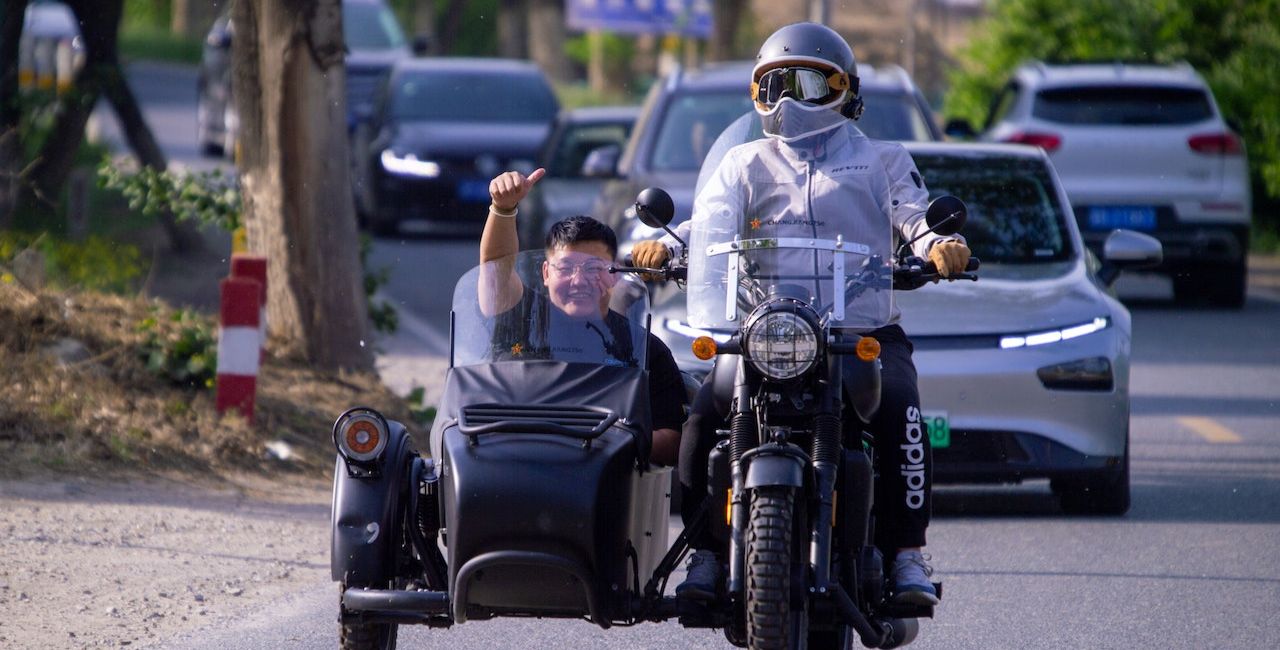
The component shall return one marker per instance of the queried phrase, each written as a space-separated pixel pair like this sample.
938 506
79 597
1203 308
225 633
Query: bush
181 347
96 264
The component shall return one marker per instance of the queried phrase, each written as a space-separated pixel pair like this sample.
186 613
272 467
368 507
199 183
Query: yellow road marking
1210 430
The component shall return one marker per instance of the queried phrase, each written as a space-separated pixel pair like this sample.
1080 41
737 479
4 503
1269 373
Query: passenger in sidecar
544 487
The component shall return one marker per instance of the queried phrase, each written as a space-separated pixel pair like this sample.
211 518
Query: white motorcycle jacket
849 186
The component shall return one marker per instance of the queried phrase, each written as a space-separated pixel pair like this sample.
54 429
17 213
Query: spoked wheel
369 636
771 623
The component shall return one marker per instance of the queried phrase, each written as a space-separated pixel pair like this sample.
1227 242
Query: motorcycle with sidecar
538 499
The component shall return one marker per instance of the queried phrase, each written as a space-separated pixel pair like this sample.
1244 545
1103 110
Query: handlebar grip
973 264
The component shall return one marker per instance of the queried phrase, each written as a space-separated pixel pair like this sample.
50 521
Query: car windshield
691 124
472 96
1014 213
371 27
578 140
1127 105
893 116
550 322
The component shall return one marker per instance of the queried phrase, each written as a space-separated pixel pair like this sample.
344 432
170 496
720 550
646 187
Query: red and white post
254 267
239 349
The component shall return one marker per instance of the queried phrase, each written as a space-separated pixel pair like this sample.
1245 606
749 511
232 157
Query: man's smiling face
578 280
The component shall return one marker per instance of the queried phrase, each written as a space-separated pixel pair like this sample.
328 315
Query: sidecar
537 497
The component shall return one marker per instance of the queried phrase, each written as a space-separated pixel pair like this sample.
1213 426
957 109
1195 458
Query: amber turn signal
868 349
704 347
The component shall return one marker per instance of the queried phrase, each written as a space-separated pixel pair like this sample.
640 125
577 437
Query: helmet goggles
801 83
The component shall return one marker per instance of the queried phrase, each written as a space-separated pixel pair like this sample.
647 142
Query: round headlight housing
781 343
360 435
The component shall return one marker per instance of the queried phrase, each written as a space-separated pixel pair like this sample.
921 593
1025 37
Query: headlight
409 165
360 435
781 344
1053 336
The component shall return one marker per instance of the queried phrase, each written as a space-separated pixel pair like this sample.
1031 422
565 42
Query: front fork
825 457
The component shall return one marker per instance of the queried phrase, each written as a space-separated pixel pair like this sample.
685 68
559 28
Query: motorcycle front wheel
368 636
771 623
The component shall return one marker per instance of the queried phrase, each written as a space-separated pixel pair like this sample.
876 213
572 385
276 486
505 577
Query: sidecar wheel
769 615
371 636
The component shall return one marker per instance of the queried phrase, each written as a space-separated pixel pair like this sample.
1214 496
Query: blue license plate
1133 217
473 191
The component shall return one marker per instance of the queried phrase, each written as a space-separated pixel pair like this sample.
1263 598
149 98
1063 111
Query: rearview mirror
601 162
1125 250
655 207
946 215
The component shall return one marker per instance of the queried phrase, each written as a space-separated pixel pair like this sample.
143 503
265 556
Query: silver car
1025 373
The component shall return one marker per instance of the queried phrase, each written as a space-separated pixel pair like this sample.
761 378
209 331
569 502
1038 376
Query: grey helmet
812 43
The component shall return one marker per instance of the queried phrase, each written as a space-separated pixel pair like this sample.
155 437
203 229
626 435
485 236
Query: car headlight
781 344
1054 336
360 435
409 165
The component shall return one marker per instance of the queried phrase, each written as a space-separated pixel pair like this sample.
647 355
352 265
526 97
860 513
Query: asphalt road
1195 563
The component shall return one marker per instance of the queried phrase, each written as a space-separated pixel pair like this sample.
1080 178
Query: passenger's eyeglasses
801 84
588 269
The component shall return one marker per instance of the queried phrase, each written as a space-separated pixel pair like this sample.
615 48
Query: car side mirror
1125 250
946 215
421 45
959 129
602 162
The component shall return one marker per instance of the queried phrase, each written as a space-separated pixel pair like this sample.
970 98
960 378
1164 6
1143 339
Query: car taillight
1215 144
1047 141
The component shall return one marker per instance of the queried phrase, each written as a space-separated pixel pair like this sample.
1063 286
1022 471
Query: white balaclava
790 120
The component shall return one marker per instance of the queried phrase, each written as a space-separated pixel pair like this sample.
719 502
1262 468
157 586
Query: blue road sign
686 17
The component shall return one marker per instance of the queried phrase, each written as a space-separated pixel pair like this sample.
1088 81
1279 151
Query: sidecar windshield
529 308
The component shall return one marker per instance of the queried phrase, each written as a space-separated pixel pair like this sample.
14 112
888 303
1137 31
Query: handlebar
666 273
914 272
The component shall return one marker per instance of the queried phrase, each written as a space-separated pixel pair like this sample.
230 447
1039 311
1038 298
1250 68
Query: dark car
374 42
570 188
686 111
439 131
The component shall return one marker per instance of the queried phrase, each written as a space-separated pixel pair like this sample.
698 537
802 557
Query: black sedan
440 130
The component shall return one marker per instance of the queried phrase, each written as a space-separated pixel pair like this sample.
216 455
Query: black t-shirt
512 339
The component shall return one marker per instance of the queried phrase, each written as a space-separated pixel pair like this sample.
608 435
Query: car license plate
1135 217
473 191
939 428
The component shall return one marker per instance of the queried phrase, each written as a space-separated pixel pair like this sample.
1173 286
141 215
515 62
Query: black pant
903 456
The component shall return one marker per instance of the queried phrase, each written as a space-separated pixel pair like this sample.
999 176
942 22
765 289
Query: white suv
1142 147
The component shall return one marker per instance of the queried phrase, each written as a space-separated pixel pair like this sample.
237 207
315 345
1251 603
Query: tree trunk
192 18
452 24
512 29
546 39
727 16
11 15
102 74
298 209
424 24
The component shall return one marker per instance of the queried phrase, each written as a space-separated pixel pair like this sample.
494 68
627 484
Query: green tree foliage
1234 44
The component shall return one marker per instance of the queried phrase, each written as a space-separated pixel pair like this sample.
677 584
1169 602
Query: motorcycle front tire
368 636
771 623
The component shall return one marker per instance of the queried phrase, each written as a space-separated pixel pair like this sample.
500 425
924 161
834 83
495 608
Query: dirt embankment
134 513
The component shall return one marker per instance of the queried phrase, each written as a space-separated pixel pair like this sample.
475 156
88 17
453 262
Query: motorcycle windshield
528 307
842 270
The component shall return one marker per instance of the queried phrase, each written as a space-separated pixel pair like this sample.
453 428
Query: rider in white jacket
818 176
